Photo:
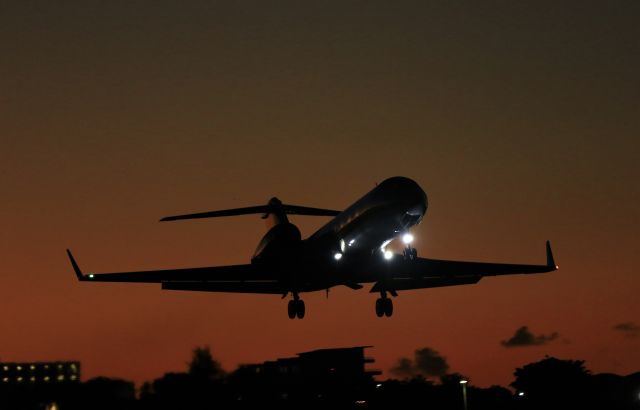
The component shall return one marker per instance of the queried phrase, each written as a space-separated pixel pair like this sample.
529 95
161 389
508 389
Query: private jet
350 250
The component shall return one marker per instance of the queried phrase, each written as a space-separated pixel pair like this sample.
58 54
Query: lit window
5 368
19 379
74 377
32 367
19 368
33 378
61 378
46 378
6 379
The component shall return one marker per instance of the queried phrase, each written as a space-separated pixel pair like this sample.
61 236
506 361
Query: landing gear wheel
410 253
300 309
292 309
380 307
388 307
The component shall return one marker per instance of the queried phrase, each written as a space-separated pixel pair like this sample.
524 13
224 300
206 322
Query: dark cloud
427 362
404 368
430 363
629 329
523 337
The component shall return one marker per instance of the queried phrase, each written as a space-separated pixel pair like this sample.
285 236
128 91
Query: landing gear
296 308
410 253
384 307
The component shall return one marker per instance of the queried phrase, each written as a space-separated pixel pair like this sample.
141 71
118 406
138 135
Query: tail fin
275 213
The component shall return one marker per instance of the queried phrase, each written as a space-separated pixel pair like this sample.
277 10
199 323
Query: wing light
388 255
337 256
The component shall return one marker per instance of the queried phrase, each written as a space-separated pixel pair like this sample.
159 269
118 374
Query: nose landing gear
410 253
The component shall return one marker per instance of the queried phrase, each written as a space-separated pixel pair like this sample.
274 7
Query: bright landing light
407 238
337 256
388 255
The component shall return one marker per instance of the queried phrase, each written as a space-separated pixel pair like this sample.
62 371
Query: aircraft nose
419 205
408 193
417 199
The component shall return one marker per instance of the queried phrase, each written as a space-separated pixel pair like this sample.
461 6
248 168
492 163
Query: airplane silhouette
349 250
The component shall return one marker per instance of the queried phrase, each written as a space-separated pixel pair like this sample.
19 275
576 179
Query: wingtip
76 268
550 261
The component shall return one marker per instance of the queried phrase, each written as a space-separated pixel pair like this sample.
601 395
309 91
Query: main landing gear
384 306
296 307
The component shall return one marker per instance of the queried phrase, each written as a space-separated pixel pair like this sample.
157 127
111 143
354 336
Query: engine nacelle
280 239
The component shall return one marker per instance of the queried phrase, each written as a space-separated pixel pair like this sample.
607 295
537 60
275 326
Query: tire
300 310
388 307
291 309
379 307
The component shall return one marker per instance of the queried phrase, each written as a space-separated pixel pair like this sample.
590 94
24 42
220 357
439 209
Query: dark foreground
327 379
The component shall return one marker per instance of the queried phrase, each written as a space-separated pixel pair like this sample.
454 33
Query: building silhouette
38 385
39 373
324 376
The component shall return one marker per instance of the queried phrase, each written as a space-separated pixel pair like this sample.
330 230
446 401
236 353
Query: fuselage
384 213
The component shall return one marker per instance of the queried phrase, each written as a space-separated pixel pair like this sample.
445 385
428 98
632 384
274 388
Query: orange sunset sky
521 122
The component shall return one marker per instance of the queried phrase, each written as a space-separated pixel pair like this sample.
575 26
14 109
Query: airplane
350 250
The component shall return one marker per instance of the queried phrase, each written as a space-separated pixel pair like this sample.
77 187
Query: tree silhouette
452 379
552 382
199 388
203 366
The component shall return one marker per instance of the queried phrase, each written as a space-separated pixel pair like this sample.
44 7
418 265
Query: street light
464 392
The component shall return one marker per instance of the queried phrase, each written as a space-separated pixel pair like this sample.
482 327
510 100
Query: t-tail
274 212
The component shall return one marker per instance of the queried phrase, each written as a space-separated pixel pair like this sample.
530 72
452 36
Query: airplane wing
429 273
232 278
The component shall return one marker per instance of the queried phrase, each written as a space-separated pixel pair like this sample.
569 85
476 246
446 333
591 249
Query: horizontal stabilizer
305 210
274 206
214 214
